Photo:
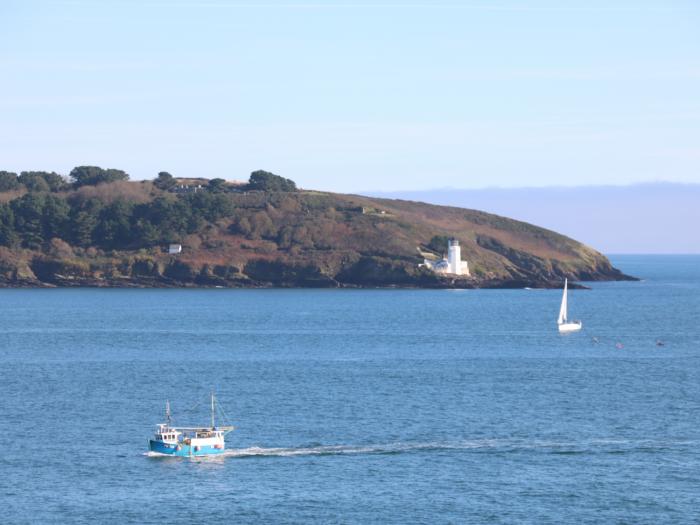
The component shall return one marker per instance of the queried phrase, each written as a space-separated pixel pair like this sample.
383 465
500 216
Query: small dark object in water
595 340
659 342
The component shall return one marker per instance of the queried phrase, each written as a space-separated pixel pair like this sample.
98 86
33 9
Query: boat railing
203 430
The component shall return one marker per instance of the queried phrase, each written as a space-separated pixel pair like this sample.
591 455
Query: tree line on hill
47 206
49 181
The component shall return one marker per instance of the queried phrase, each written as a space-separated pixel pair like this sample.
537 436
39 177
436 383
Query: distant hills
640 218
98 228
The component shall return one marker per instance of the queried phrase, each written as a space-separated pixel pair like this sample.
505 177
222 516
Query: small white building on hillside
174 249
452 264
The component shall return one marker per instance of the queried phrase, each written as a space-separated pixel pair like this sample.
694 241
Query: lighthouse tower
454 257
452 264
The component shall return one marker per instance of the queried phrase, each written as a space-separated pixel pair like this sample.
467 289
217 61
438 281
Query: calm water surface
357 405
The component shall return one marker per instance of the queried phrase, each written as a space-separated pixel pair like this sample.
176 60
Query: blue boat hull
183 450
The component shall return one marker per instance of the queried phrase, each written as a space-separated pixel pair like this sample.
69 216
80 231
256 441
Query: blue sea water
357 406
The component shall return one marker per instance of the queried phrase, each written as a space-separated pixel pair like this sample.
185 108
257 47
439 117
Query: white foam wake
326 450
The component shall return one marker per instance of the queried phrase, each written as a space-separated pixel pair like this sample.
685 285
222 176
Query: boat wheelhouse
189 441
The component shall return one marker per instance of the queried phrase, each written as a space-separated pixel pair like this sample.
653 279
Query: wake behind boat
564 324
189 441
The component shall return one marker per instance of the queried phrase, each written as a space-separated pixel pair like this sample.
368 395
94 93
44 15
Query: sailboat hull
570 327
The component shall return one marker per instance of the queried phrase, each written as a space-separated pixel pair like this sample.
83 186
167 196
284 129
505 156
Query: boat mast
167 412
212 409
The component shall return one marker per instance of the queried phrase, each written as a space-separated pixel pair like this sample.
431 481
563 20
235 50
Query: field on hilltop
97 228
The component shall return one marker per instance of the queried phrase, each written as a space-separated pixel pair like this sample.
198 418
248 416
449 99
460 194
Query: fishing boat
189 441
564 324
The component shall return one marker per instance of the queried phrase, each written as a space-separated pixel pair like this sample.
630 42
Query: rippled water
357 405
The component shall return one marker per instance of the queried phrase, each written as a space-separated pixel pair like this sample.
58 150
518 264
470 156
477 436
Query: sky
356 96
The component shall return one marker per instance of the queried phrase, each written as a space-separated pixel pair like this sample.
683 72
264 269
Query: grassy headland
97 228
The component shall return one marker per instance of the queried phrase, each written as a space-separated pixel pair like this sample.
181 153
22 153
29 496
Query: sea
357 406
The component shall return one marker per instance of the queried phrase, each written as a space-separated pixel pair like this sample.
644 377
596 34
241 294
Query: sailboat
564 324
189 441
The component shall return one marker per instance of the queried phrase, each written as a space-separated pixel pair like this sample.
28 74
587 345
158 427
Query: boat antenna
212 409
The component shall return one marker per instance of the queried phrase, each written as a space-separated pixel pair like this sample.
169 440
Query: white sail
564 324
562 310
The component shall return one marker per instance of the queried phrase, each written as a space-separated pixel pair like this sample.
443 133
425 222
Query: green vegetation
164 181
266 181
92 175
31 181
37 217
439 243
96 226
8 181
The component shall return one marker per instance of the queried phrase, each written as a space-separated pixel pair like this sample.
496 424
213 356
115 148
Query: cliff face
306 239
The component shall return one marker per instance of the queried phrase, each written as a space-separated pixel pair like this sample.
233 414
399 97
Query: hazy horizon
645 218
525 187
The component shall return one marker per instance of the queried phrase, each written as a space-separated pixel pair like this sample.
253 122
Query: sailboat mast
566 300
212 409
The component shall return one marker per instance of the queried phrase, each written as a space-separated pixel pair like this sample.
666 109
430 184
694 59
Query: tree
209 206
42 181
55 218
265 181
84 218
8 181
146 233
55 181
8 237
217 185
438 243
93 175
164 181
171 217
114 227
33 181
28 211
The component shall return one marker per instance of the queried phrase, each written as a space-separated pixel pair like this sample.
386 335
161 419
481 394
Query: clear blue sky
350 96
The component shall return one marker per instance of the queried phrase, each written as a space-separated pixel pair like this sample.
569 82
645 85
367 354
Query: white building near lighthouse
452 264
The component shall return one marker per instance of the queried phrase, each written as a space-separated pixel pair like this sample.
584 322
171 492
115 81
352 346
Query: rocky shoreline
245 282
27 269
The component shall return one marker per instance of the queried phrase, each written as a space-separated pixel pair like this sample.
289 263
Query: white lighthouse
454 257
453 263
